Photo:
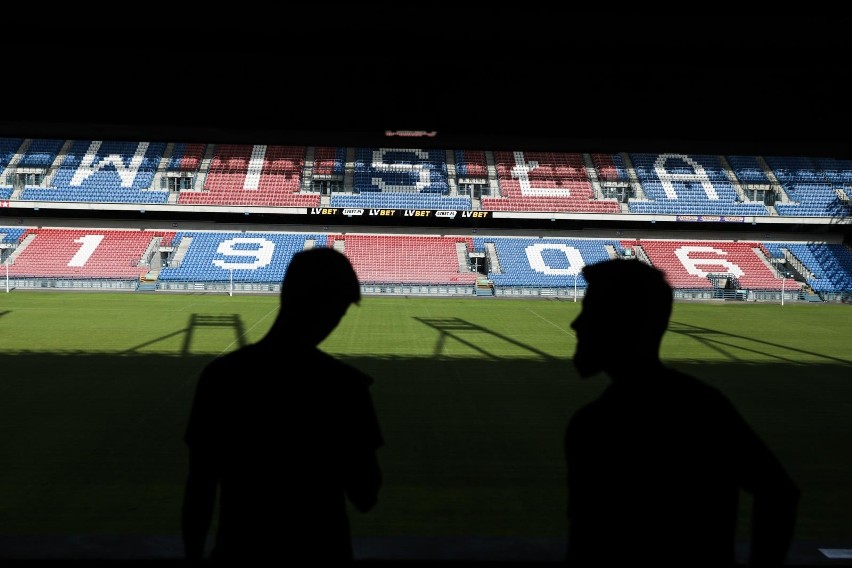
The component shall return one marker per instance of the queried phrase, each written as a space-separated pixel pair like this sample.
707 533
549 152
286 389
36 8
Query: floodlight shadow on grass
715 340
4 312
446 327
197 321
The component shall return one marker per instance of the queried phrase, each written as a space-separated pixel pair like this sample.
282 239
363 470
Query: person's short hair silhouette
656 463
285 433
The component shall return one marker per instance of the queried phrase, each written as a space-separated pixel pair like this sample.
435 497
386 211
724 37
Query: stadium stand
260 175
8 148
75 253
104 172
811 191
408 259
253 175
542 262
680 184
400 178
225 256
185 157
610 167
329 161
40 153
457 183
696 264
825 267
471 164
259 257
11 234
545 181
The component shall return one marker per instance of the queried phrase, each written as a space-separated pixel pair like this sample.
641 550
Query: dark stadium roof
519 78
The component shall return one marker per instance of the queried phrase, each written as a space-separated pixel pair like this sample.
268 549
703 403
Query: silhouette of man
657 462
285 432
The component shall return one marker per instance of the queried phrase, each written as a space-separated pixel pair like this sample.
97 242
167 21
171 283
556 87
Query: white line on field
554 324
245 333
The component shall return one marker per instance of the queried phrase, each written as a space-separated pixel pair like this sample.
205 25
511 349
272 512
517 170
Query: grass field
473 396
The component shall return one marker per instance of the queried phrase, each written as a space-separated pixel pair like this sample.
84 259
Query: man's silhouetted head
318 287
625 313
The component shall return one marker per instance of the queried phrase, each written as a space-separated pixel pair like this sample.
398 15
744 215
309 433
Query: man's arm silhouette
363 475
363 482
198 504
773 520
202 480
775 499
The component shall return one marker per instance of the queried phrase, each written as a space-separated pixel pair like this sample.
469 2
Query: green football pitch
472 394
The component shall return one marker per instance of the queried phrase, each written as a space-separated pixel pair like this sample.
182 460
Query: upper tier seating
8 147
105 172
811 189
400 178
610 167
329 161
680 184
545 181
400 170
41 153
471 164
37 158
838 172
748 169
186 157
244 175
254 176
